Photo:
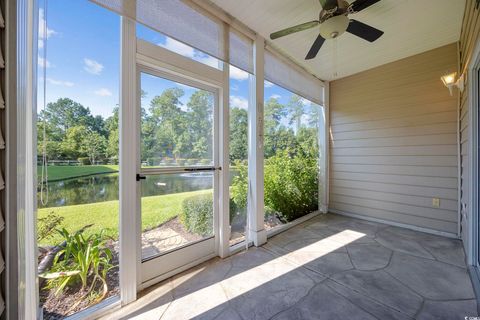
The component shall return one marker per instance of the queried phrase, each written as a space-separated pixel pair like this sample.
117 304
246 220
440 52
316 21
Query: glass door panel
177 209
177 171
177 124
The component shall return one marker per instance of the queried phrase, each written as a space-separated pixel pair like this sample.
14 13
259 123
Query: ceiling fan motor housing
334 26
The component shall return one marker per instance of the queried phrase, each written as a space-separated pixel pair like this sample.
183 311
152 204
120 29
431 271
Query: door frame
139 52
472 213
194 252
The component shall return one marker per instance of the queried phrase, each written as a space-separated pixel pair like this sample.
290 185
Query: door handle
140 177
202 169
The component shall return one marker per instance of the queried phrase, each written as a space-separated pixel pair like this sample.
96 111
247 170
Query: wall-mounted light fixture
450 80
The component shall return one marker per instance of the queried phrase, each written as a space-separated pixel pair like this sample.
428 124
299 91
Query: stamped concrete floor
330 267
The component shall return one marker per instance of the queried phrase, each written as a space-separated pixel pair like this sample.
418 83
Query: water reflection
105 187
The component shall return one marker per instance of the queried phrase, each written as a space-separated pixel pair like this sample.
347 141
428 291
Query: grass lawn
105 215
66 172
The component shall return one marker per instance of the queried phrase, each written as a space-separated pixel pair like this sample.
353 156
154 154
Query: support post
224 151
256 227
129 215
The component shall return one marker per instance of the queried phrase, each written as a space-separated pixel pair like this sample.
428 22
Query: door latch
140 177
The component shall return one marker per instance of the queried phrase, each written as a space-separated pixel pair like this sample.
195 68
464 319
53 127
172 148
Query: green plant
239 189
197 214
81 259
291 185
84 161
46 226
205 161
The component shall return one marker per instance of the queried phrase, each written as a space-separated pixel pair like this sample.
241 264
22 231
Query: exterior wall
393 142
468 38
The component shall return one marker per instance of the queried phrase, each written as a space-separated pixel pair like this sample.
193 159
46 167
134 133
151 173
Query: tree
200 116
274 113
94 146
238 134
66 113
296 108
72 147
111 126
169 123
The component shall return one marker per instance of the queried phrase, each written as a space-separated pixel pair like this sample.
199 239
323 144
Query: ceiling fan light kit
333 22
334 27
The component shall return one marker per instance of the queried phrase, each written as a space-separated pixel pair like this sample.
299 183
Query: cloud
275 96
42 63
268 84
60 83
103 92
178 47
92 66
189 52
41 30
239 102
238 74
41 27
234 87
208 60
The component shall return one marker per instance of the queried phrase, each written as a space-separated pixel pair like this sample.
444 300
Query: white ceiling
410 26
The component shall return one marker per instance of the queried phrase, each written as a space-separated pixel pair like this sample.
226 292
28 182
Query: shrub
291 185
239 189
197 214
84 161
205 161
191 161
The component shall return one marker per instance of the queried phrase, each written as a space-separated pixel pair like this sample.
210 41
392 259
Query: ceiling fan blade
312 53
297 28
328 4
359 5
364 31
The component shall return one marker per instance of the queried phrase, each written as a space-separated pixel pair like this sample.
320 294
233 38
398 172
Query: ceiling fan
333 21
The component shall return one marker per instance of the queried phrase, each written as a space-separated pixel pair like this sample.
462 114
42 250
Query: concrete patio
330 267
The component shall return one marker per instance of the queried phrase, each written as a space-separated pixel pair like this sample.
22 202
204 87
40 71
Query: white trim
284 227
223 248
326 97
149 54
472 205
459 156
255 212
129 217
169 274
171 66
395 224
102 308
27 25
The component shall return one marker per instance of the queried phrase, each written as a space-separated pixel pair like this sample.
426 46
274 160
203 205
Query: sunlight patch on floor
208 298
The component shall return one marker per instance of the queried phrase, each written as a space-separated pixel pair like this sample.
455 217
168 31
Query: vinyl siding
468 39
393 142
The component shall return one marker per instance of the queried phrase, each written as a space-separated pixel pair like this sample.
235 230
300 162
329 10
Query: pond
105 187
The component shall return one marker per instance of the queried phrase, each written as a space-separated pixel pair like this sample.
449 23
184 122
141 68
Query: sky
83 59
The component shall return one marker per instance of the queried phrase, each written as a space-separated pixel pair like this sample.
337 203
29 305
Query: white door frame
473 103
157 268
139 52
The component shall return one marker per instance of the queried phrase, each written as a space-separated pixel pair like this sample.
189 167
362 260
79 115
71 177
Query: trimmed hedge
197 214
